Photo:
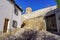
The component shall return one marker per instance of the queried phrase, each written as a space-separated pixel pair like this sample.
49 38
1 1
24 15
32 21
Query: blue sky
35 4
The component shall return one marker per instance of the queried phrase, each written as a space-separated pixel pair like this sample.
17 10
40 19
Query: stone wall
37 23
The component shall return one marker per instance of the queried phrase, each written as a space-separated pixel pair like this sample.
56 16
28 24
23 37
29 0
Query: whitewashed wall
18 18
7 11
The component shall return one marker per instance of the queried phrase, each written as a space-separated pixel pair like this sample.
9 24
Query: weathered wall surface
35 20
37 23
7 11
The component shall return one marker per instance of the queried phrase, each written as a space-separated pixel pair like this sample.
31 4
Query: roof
16 5
57 10
40 12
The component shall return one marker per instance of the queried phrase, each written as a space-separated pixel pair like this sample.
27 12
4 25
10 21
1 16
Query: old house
35 20
53 19
10 15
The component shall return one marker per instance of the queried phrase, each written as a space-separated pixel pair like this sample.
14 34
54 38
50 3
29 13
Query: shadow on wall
23 25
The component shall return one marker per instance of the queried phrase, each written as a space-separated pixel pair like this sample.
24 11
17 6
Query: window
14 24
11 1
15 11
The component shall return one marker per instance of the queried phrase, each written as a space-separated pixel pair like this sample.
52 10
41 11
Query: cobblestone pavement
32 35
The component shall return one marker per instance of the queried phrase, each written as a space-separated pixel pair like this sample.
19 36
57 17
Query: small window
14 24
11 1
16 11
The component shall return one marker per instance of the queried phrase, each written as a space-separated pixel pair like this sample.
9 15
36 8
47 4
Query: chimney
28 10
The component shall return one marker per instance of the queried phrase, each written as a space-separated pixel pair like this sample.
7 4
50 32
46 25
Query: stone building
35 20
51 16
53 19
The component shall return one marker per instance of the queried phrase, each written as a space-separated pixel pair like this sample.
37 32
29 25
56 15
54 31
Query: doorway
5 25
51 23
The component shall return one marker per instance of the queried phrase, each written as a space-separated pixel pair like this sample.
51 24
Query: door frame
48 17
6 20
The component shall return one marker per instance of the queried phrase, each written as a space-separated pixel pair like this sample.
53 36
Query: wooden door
51 23
5 25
